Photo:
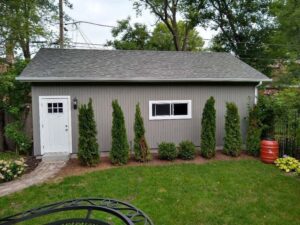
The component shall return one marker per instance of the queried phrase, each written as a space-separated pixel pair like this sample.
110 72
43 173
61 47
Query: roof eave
137 80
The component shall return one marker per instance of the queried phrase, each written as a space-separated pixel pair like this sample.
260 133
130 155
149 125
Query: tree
14 97
254 131
138 37
208 129
119 152
88 148
161 38
233 137
127 37
194 12
244 28
25 21
141 149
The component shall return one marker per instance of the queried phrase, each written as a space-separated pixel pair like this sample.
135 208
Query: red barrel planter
269 151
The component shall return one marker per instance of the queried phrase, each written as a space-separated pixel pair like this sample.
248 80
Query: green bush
11 169
208 129
287 164
14 132
141 149
254 132
88 148
167 151
186 150
233 137
119 153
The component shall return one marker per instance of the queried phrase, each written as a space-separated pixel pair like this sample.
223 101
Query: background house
171 87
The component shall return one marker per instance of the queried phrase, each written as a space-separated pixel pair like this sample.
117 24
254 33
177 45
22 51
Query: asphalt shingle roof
70 65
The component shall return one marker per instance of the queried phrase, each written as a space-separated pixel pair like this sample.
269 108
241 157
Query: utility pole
61 24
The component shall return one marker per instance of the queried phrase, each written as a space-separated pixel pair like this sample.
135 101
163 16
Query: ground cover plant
11 166
186 194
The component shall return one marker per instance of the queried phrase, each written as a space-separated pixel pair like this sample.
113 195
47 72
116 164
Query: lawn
223 192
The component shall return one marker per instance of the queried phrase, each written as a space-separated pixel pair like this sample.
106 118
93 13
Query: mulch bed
31 163
73 166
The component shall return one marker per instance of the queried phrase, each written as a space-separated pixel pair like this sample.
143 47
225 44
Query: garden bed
73 166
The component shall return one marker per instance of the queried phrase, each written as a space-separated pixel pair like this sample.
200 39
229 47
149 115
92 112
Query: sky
107 12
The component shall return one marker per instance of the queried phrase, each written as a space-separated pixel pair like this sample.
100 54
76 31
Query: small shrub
167 151
254 132
186 150
14 132
119 153
233 137
208 129
11 169
298 170
88 148
287 164
141 149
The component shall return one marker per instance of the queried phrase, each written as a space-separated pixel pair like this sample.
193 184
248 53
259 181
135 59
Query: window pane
180 109
49 105
162 109
49 110
153 109
54 104
60 110
60 105
55 110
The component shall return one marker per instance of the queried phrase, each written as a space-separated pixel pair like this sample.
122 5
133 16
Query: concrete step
56 156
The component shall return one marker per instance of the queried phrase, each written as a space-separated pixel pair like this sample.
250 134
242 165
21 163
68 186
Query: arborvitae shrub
167 151
186 150
208 129
119 152
254 132
141 149
233 137
88 149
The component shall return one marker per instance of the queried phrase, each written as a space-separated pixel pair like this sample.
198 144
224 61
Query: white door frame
41 117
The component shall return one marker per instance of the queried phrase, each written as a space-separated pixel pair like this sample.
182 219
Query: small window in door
56 107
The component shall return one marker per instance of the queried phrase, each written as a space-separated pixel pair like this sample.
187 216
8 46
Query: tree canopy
138 37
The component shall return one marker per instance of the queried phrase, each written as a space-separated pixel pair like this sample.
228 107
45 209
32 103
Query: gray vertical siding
129 94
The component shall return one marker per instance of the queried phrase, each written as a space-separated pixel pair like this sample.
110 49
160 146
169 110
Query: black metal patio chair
126 213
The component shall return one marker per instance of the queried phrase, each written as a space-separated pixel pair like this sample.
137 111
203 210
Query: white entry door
55 124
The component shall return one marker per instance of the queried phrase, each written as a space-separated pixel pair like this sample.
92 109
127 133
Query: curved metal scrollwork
125 212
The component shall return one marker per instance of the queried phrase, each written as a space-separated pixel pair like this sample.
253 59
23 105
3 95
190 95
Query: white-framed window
170 109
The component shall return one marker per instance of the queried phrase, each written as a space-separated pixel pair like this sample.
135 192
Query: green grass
225 192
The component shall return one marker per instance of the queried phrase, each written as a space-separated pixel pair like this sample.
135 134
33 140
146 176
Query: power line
91 23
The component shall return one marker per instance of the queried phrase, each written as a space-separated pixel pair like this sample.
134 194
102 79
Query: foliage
14 94
88 148
245 27
14 132
11 169
254 131
266 115
298 170
192 13
186 150
138 37
119 152
8 155
208 129
24 21
127 37
233 137
141 148
161 38
287 164
167 151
